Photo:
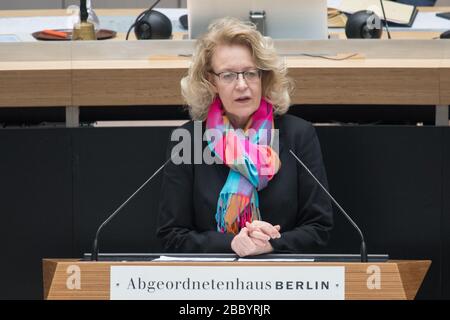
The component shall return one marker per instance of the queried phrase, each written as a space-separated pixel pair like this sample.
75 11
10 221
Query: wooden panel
366 86
127 87
156 82
412 275
317 82
445 85
35 88
49 269
95 277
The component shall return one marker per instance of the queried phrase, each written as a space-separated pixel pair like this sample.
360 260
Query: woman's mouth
243 99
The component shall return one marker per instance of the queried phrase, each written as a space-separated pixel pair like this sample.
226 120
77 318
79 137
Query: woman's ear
213 84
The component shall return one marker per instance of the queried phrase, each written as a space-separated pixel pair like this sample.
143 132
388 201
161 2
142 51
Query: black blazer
292 198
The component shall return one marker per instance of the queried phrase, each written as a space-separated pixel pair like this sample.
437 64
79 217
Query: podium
78 279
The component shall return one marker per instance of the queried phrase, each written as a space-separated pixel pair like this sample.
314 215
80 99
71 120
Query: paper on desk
276 260
33 24
181 259
429 20
9 38
334 3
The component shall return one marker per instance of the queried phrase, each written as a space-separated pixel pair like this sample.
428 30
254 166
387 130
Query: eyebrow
243 69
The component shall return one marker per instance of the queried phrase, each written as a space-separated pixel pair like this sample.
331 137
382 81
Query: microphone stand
363 250
385 21
94 254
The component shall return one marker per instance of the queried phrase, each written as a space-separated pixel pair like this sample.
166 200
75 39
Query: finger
239 247
250 226
259 235
245 242
259 243
260 240
258 224
271 231
265 227
240 242
244 231
278 228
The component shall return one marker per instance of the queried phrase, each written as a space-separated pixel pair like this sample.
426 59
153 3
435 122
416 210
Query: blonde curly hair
198 91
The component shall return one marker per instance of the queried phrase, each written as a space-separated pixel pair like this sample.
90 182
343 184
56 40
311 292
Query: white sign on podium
227 283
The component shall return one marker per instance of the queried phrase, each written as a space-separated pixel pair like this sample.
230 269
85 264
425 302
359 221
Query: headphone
363 24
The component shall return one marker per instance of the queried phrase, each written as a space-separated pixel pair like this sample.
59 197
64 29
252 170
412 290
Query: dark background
57 185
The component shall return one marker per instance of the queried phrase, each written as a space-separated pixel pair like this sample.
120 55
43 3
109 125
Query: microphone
83 10
151 24
94 254
385 21
363 250
143 13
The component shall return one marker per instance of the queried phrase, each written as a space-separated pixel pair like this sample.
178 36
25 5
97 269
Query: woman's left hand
243 245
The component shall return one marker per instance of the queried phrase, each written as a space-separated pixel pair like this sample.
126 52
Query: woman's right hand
263 230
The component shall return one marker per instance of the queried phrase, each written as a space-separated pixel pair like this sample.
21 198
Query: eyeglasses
231 76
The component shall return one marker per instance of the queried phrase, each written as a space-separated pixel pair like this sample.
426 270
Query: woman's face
241 97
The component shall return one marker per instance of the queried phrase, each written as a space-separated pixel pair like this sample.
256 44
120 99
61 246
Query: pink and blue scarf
251 159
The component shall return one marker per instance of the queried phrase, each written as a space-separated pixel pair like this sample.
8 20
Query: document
181 259
334 3
276 260
9 38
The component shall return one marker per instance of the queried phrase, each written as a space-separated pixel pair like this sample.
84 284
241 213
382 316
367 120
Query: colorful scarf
252 161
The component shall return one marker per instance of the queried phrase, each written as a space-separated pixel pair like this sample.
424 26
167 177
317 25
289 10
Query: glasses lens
251 75
228 76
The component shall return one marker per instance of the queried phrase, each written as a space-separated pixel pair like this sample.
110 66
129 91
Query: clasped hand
254 238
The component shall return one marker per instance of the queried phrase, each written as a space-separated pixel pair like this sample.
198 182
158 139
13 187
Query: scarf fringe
239 208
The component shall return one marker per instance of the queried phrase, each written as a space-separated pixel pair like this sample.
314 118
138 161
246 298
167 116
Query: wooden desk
398 279
396 72
155 81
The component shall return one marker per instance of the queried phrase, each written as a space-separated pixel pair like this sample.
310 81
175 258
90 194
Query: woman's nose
240 82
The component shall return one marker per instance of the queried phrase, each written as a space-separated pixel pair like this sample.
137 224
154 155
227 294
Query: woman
256 198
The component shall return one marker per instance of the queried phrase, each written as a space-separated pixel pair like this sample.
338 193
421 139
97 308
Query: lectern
209 279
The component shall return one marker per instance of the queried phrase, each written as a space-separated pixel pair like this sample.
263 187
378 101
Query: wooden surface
38 88
399 279
155 81
317 82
